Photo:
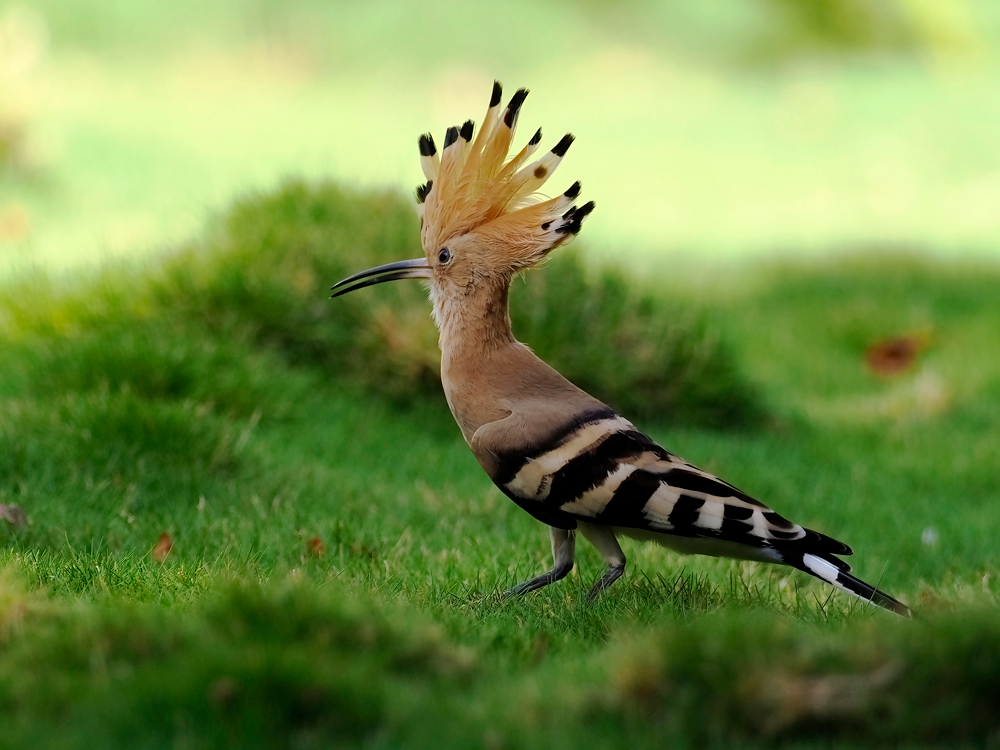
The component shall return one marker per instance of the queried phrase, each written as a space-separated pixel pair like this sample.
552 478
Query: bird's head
482 216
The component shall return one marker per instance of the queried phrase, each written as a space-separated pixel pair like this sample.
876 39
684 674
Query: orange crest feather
470 187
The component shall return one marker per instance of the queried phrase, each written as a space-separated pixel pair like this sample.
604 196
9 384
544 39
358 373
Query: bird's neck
476 343
473 326
488 375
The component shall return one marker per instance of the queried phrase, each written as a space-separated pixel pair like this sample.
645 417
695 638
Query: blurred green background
708 130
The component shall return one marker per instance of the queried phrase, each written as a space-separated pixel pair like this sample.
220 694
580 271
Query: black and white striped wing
600 469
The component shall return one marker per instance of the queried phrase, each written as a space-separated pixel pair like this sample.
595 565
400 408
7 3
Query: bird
568 459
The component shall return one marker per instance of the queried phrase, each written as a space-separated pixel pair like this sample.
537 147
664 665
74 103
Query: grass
338 555
255 290
294 663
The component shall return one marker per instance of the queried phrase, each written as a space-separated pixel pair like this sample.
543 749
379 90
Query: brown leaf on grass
315 547
14 515
162 548
224 691
896 355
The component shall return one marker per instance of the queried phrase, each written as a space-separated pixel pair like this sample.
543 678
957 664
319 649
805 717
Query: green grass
295 663
219 397
254 290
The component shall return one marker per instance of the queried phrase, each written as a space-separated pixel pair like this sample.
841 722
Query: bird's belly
694 545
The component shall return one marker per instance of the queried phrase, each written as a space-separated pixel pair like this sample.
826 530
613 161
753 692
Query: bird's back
598 468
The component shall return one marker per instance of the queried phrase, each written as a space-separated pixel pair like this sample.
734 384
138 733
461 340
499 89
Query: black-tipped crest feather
510 117
562 147
483 183
574 218
426 143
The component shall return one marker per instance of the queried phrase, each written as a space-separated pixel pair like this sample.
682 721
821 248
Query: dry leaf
14 515
223 691
896 355
315 547
162 547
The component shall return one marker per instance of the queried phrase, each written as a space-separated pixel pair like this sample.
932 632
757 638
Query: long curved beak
404 269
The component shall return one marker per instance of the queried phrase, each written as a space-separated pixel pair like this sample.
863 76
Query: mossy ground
338 555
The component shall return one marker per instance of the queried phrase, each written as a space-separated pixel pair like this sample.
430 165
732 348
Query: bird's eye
444 256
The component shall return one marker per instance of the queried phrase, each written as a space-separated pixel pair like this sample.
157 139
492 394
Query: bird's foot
613 573
556 574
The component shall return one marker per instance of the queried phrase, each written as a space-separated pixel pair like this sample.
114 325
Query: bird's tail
838 575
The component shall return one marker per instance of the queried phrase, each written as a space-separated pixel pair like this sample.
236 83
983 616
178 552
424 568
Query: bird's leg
563 546
604 540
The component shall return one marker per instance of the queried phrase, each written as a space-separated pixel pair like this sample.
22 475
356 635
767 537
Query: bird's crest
471 185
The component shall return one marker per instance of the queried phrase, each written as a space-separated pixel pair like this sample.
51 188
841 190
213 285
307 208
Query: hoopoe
562 455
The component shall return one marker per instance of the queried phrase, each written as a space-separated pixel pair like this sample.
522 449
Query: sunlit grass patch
810 329
215 321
